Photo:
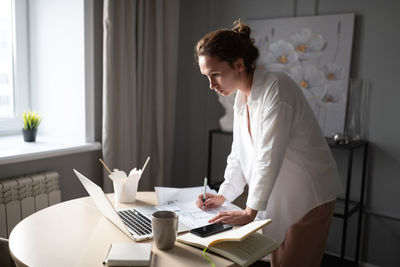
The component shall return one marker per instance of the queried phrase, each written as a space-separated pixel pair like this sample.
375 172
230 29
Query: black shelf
351 145
354 206
345 207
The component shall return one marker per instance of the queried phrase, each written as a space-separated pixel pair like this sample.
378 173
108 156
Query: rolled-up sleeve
234 182
276 127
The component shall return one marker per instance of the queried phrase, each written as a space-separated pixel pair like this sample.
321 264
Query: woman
278 150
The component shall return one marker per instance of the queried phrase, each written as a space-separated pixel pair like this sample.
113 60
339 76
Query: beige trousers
305 240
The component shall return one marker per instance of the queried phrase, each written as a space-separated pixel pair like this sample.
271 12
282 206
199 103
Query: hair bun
241 28
229 45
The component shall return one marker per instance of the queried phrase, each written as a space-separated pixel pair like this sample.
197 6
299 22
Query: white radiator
24 195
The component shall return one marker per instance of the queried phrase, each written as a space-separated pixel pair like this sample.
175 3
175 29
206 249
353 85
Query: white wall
57 66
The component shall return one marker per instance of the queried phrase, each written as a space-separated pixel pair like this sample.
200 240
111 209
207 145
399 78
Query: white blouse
286 161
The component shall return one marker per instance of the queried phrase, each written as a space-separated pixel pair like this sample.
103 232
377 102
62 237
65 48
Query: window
55 78
13 64
50 72
6 61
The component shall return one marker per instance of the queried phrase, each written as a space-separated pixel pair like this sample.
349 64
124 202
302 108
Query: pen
204 190
108 252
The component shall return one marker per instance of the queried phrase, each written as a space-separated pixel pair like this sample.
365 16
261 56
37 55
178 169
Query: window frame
20 68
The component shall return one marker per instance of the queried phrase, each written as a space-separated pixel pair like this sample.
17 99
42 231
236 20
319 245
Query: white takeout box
125 187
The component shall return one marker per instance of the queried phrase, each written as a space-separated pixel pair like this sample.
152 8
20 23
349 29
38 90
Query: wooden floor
327 261
332 261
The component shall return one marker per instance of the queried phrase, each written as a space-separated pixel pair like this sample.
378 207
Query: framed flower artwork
315 51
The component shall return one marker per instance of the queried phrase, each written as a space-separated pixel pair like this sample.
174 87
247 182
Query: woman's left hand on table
236 217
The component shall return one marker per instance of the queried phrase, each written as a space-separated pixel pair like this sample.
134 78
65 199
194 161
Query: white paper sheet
172 206
183 202
194 217
167 195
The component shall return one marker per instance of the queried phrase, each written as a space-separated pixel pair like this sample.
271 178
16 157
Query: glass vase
357 110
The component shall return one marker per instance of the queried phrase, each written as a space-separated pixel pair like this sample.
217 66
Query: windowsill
13 149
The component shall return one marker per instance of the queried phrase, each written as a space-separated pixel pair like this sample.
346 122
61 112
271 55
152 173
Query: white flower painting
315 52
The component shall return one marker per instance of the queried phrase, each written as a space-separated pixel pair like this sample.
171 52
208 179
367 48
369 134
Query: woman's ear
239 65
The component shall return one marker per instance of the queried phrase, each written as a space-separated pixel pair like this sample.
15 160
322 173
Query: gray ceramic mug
164 224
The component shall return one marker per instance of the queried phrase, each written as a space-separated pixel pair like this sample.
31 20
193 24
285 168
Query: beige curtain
139 85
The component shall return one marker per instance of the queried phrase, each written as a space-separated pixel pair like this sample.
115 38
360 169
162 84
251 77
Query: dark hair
229 45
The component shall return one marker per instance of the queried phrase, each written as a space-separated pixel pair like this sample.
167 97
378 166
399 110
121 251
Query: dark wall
375 58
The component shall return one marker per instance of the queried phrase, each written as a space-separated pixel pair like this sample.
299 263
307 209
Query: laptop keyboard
138 223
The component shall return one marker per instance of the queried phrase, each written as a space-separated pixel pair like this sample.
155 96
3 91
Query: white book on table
128 254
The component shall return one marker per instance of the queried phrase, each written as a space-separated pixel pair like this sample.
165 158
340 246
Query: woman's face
222 77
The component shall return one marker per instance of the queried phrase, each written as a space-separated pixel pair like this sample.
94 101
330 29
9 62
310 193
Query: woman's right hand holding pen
212 201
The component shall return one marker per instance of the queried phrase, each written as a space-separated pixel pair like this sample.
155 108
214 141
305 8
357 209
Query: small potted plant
31 124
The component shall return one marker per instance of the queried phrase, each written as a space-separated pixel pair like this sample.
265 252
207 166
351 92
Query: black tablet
210 229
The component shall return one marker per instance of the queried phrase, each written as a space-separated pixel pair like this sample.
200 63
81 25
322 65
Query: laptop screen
102 202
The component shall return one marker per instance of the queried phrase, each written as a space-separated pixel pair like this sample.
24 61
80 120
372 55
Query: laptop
134 222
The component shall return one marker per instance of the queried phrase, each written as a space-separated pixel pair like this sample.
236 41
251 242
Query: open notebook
243 245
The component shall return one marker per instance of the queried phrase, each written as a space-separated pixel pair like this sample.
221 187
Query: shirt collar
255 92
